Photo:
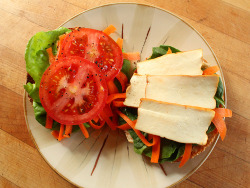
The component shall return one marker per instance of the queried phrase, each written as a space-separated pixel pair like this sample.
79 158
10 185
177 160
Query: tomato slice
95 46
73 90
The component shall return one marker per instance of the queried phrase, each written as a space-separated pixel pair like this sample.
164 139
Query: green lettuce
40 116
37 59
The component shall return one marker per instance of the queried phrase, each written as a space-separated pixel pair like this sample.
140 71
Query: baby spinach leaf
126 68
219 95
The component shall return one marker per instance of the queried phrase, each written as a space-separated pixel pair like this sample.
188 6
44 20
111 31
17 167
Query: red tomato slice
73 90
94 46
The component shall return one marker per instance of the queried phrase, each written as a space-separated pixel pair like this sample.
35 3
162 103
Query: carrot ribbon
186 155
211 70
110 29
133 56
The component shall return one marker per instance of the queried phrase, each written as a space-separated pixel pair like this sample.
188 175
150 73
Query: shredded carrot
169 51
211 70
68 130
223 112
186 155
60 42
115 96
156 149
115 117
110 123
51 55
49 122
134 56
220 125
112 87
108 110
110 29
60 136
55 134
132 124
97 126
122 78
96 119
118 104
125 126
150 137
120 42
84 130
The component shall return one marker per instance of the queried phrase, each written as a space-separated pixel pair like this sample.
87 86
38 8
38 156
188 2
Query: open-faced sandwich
171 105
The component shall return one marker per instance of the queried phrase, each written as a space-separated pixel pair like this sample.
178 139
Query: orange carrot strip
97 126
211 70
60 42
84 130
96 119
125 126
108 110
150 136
156 149
110 29
115 96
186 155
51 55
60 136
49 122
169 51
122 78
55 134
132 124
112 87
110 123
120 42
135 56
223 112
118 104
68 130
220 125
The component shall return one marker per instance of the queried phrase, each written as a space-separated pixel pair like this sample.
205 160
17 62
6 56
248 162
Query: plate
142 27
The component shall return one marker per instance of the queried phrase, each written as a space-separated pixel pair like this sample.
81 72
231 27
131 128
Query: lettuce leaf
40 116
37 60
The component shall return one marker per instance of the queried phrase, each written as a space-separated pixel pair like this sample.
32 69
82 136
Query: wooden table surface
225 24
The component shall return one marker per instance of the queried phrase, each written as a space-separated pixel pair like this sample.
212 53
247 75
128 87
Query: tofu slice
186 90
136 90
182 63
180 123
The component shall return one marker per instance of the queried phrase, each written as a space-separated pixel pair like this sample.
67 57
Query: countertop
225 24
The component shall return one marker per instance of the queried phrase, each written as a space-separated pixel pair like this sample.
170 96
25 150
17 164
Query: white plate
118 165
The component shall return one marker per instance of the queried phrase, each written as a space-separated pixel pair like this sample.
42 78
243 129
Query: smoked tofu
180 123
186 90
181 63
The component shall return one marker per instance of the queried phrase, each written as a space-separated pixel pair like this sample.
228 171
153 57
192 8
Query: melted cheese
180 123
182 63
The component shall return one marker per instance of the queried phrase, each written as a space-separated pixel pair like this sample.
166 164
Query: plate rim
151 6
